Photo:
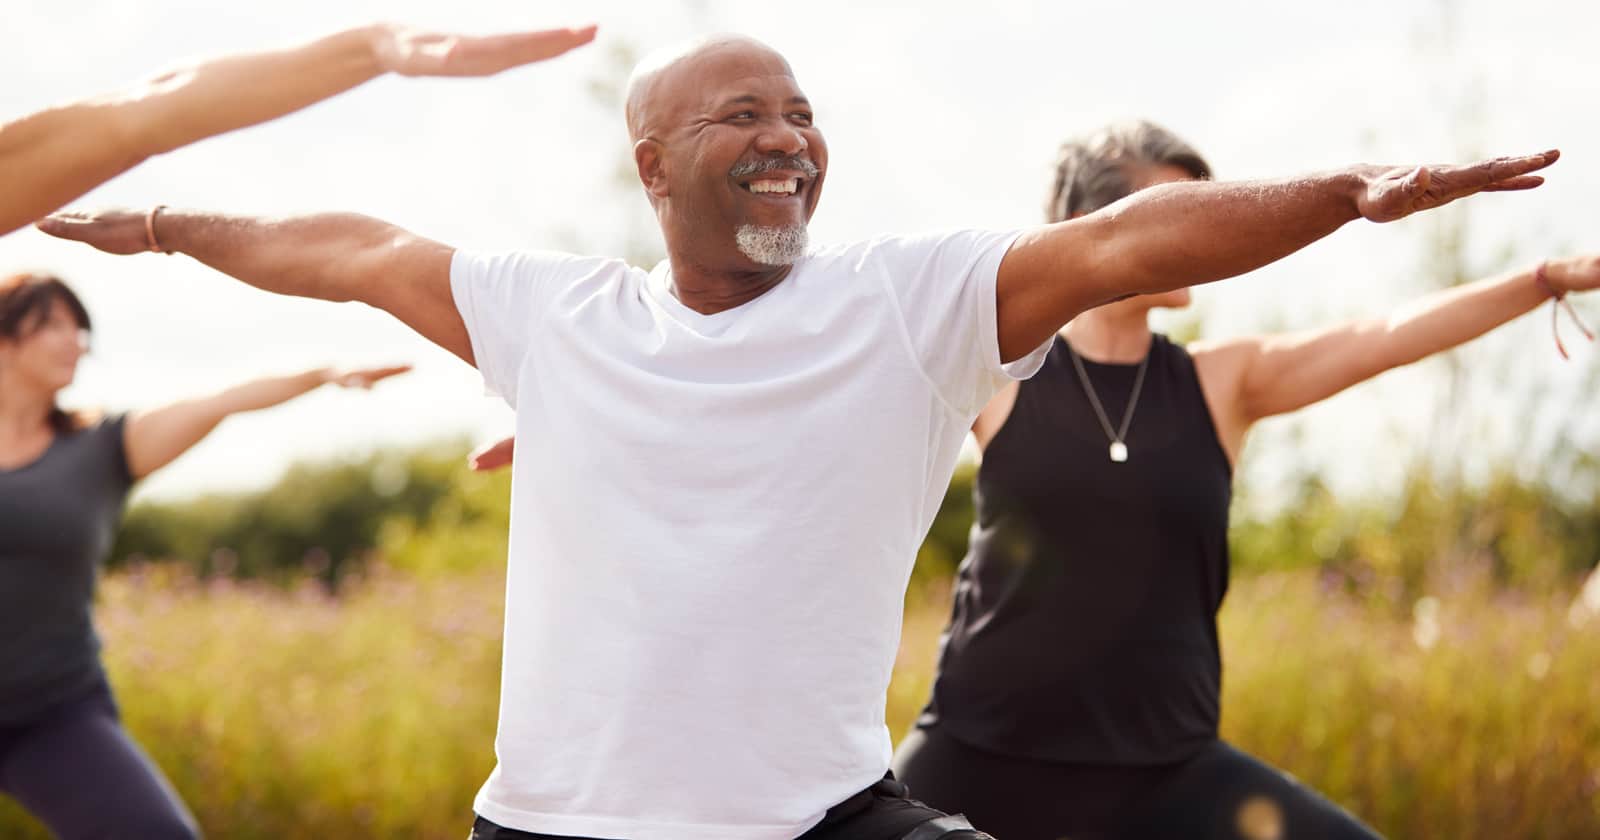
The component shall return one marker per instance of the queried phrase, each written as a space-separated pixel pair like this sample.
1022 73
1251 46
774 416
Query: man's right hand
492 456
114 230
325 256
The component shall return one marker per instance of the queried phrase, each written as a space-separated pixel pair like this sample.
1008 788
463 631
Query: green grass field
290 713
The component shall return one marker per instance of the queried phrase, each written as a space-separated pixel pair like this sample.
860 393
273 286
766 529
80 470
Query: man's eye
744 115
802 117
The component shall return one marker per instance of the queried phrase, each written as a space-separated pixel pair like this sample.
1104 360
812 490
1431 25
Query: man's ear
652 166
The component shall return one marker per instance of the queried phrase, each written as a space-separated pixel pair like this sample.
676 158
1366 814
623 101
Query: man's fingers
1521 182
1508 174
1397 193
120 232
1502 169
52 225
1540 160
64 225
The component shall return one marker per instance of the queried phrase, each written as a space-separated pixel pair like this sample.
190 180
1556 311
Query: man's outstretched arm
56 155
1186 233
328 256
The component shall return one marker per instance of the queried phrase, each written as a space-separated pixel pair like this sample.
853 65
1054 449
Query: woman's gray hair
1098 169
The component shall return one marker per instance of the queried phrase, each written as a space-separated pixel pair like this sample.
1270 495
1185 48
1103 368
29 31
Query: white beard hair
772 245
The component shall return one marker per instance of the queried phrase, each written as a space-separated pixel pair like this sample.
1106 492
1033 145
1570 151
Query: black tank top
1084 627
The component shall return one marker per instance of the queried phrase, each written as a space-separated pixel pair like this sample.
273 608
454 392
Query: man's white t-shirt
713 520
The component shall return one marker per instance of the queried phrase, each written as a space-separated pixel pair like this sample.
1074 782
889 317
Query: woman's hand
1574 274
365 378
412 52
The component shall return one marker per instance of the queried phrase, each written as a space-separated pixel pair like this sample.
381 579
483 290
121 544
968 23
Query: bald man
727 463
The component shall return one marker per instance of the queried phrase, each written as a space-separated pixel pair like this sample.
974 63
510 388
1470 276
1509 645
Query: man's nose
780 138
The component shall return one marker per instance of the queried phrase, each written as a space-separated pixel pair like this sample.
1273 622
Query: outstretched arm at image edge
51 157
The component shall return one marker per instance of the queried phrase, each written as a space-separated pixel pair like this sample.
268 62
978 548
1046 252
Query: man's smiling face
737 160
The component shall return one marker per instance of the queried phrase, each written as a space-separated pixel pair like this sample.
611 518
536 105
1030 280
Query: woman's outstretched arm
1250 378
49 158
155 438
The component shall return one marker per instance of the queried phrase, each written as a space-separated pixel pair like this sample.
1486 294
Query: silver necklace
1118 449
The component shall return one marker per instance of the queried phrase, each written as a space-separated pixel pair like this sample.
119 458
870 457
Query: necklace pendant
1119 451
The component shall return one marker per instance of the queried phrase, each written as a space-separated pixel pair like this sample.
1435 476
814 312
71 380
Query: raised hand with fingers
1390 193
55 155
412 52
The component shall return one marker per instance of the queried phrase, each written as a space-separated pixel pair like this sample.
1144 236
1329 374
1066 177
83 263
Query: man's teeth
783 187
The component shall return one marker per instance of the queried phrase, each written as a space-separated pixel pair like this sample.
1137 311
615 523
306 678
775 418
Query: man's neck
709 291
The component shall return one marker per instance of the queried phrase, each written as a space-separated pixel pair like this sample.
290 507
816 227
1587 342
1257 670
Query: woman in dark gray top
1078 692
63 479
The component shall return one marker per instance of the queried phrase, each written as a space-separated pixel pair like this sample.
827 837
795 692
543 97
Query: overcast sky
938 115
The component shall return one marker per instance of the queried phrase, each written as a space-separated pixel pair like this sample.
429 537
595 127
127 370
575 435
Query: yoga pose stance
49 158
728 462
63 478
1079 680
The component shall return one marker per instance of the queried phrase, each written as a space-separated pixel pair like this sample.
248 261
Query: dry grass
294 714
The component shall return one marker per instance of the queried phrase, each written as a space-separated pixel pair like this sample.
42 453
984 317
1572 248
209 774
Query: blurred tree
317 519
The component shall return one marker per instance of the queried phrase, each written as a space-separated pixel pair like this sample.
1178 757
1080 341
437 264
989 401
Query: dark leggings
77 770
1219 794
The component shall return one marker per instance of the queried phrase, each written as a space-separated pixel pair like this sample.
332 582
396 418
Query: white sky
938 115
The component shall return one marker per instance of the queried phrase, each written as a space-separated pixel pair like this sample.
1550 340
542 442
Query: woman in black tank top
1079 680
63 480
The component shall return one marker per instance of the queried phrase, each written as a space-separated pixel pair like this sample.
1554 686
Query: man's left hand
1389 193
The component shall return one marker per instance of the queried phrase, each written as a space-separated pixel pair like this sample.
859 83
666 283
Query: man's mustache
756 167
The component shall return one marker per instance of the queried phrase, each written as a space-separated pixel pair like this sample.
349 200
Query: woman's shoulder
1165 345
100 436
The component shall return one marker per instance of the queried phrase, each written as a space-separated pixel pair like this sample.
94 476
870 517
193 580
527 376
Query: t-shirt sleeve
501 297
944 286
110 435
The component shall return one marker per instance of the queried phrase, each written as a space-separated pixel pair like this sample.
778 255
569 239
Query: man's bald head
665 81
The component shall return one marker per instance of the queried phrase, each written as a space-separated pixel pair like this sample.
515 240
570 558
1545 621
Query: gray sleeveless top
58 517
